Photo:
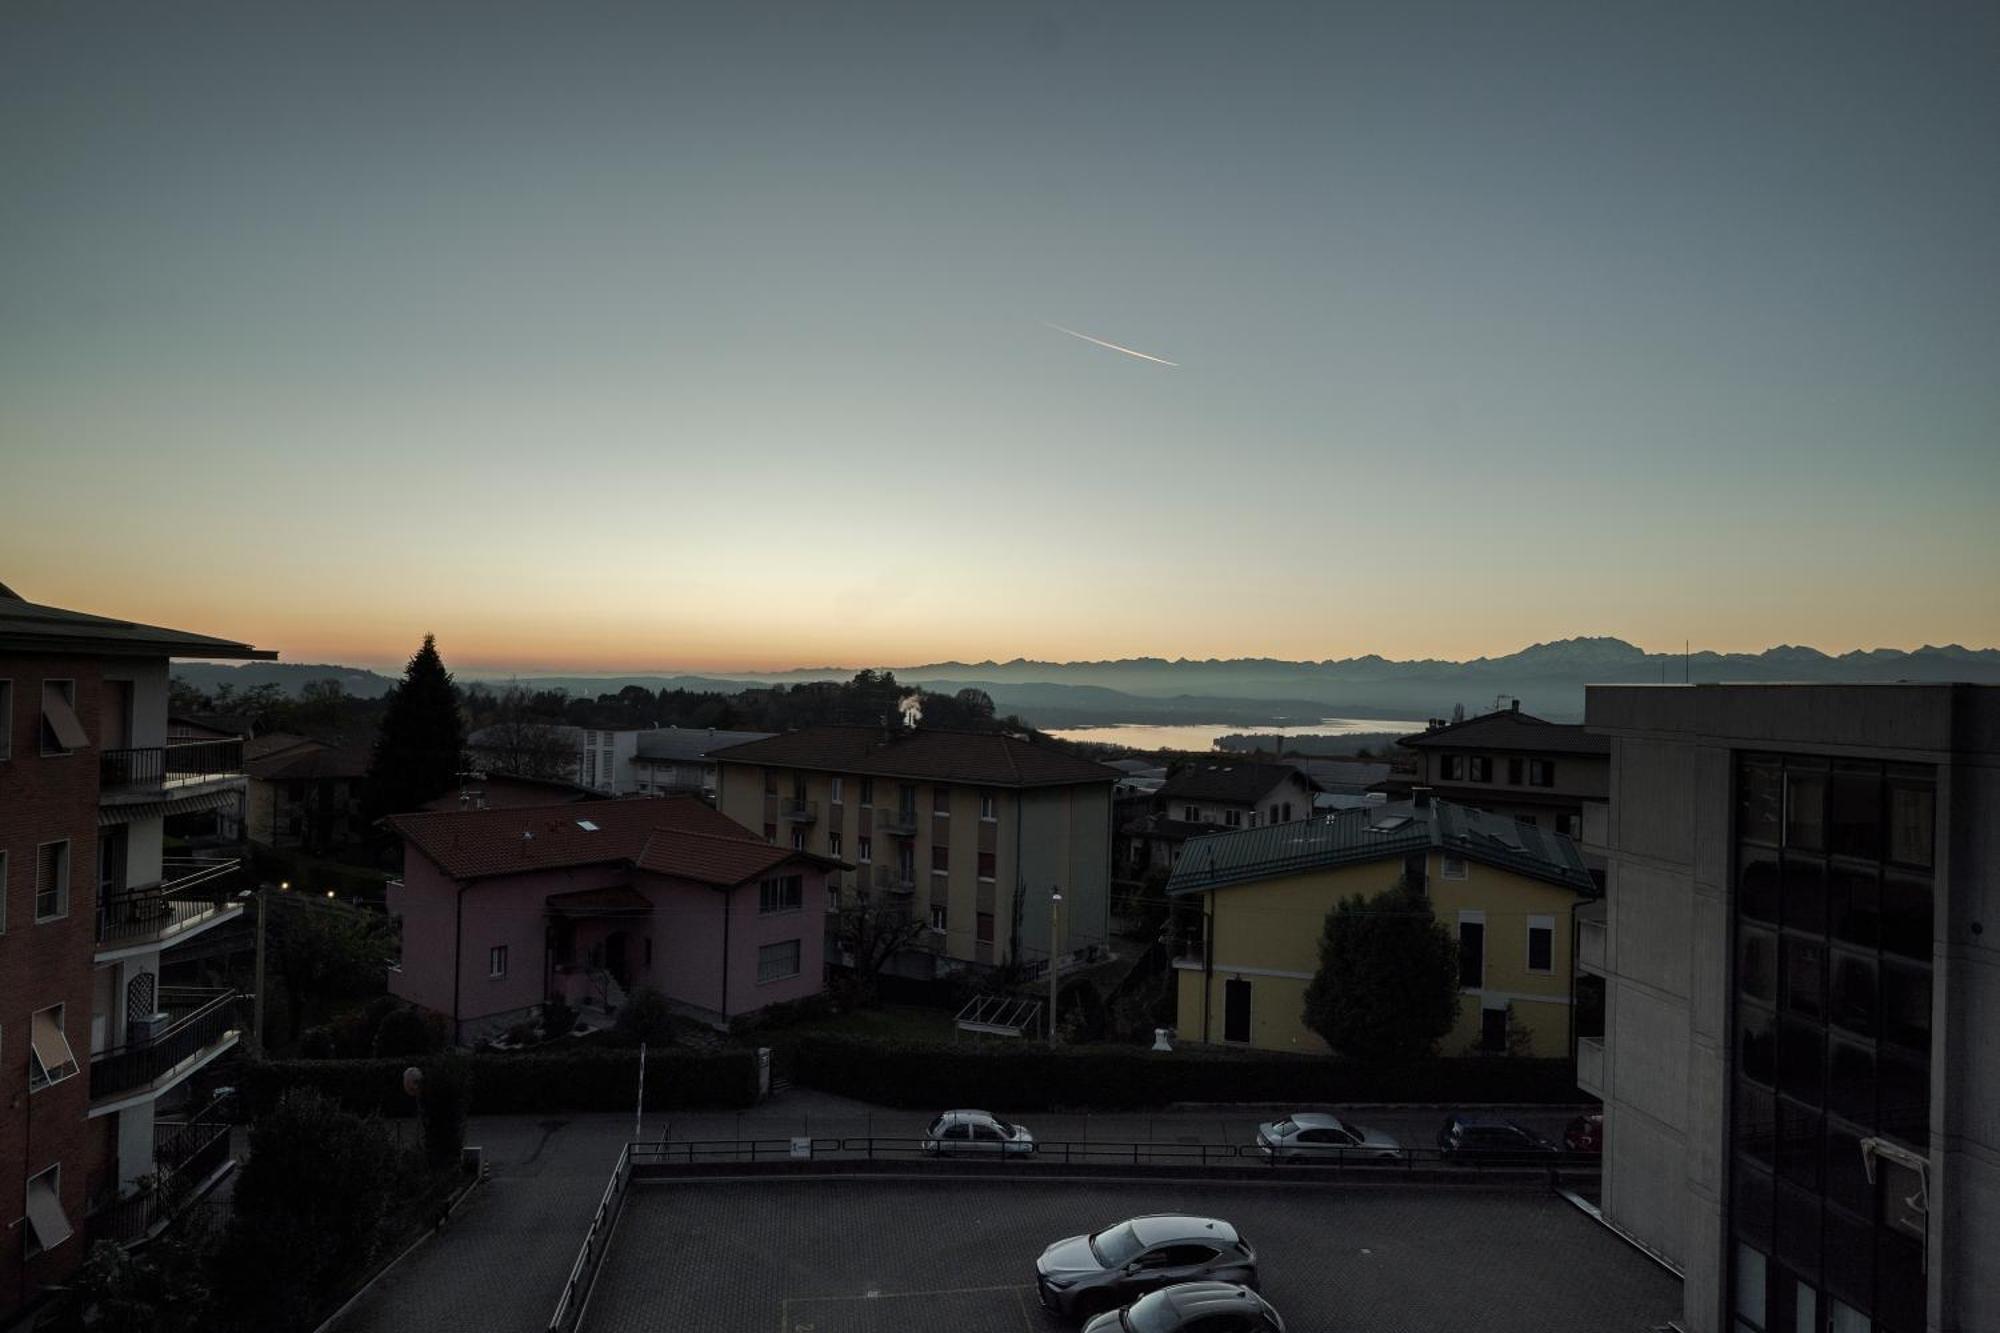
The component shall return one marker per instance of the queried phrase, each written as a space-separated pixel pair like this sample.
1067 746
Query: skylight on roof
586 826
1388 823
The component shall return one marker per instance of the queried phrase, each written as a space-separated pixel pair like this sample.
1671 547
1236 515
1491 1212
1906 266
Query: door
117 721
987 1139
1236 1010
614 958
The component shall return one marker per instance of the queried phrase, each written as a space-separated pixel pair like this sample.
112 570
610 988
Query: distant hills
1548 679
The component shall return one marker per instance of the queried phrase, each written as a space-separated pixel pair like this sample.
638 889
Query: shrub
557 1019
1031 1076
646 1016
445 1095
402 1032
576 1078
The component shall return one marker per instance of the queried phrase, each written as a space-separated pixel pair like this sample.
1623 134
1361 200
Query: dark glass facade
1832 1039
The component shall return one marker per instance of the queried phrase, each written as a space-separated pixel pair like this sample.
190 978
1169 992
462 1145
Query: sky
633 336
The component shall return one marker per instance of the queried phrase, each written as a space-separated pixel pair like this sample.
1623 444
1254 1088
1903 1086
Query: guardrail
136 1064
569 1308
1062 1153
199 889
157 765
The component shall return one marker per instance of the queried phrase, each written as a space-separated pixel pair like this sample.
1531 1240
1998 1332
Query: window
1191 814
1471 950
1255 819
52 880
1479 768
1493 1033
48 1225
1570 826
1514 771
1541 944
496 961
1452 767
940 859
1233 818
1274 812
986 865
777 962
1416 875
590 768
770 782
985 928
941 801
906 800
1236 1010
833 794
864 849
51 1060
1453 867
937 917
798 839
785 893
989 806
867 791
61 731
770 833
833 842
6 719
1288 812
1541 773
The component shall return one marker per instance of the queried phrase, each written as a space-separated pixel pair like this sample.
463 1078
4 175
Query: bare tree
873 931
524 743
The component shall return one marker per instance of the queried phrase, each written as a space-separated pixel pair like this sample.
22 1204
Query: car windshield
1117 1246
1004 1127
1284 1127
1151 1315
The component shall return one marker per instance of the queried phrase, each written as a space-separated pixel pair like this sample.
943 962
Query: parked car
957 1132
1193 1307
1585 1133
1086 1275
1493 1139
1315 1136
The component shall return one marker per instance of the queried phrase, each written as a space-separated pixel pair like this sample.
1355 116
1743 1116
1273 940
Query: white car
1315 1136
957 1132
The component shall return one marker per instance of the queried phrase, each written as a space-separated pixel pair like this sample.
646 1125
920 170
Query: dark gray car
1193 1307
1085 1275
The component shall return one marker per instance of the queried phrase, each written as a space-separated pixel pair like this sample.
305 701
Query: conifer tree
421 749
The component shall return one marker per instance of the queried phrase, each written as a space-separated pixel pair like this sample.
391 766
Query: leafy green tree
309 1211
1387 986
328 955
421 749
160 1289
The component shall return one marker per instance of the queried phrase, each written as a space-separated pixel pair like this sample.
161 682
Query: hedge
586 1079
1033 1077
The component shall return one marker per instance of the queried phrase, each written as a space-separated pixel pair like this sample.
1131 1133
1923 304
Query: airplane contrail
1157 360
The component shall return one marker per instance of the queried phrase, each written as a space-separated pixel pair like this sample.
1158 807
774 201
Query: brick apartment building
92 1042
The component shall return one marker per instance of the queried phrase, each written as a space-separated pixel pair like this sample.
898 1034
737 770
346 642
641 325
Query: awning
618 900
53 1057
45 1211
226 799
62 720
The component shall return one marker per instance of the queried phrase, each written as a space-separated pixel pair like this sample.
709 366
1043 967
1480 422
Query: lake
1202 735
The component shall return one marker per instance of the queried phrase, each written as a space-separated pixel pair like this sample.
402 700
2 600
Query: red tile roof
981 758
472 844
707 858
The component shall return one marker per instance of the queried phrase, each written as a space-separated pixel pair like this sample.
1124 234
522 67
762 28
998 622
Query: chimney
1420 797
1516 706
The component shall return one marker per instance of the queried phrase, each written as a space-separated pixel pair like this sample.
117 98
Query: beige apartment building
975 831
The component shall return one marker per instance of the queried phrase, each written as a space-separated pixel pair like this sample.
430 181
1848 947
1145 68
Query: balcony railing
897 823
799 812
185 1153
200 1019
155 767
890 879
1590 945
198 891
1590 1065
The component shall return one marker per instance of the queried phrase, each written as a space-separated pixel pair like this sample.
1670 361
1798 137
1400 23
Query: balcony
200 1024
891 879
200 894
1590 941
799 811
154 771
186 1154
897 823
1590 1065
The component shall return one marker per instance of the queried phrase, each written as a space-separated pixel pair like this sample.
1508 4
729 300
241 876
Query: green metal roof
1378 833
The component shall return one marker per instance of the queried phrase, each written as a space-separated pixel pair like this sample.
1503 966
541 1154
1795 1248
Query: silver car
957 1132
1315 1136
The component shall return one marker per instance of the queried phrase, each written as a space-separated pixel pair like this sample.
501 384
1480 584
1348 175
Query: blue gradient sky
622 336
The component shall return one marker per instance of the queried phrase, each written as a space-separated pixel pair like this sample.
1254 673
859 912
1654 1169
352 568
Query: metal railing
899 823
569 1307
184 1155
199 889
893 880
799 812
157 765
202 1019
1433 1162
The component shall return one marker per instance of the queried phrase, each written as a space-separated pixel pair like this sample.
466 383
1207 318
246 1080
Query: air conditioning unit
141 1030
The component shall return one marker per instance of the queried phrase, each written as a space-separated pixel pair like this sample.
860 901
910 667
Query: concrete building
96 1045
1507 891
1515 764
504 909
973 830
680 760
1800 975
1209 795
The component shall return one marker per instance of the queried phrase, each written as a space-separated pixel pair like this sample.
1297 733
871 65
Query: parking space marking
796 1316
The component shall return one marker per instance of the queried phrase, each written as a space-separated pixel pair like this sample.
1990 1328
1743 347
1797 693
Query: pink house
504 909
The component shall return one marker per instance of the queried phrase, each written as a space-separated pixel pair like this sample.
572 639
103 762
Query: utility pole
257 983
1055 913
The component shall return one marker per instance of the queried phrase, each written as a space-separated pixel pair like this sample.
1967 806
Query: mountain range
1547 678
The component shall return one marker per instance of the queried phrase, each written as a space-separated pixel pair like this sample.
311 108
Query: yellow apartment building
973 830
1505 888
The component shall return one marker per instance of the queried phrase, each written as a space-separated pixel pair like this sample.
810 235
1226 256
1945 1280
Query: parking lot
868 1255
